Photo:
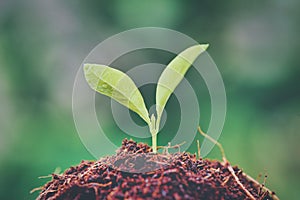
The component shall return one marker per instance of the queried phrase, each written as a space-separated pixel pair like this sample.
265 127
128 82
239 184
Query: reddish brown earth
136 173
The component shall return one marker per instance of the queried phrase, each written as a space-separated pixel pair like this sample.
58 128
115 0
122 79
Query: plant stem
153 131
154 142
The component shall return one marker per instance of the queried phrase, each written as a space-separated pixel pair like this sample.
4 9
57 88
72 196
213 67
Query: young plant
120 87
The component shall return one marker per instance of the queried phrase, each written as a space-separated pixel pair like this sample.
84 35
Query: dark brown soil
136 173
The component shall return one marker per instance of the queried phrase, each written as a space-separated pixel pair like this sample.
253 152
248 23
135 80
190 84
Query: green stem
153 132
154 142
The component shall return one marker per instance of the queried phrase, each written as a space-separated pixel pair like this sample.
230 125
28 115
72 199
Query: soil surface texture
134 172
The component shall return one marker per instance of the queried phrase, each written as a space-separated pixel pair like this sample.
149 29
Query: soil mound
134 172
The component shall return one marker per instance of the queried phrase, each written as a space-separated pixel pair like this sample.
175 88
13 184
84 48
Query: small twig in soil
264 188
229 167
226 180
36 189
48 176
260 189
40 188
215 142
265 179
57 170
166 148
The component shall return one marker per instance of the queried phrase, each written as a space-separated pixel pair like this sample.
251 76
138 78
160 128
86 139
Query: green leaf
173 74
117 85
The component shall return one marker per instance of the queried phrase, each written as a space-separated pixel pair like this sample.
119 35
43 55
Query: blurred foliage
254 44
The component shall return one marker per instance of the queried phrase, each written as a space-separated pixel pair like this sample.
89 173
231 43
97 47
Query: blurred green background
255 45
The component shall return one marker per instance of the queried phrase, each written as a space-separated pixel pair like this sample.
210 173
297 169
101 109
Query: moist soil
134 172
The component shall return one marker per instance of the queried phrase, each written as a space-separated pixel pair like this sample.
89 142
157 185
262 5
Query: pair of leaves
120 87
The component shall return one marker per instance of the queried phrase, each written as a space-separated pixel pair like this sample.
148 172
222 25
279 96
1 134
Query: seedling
120 87
207 178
